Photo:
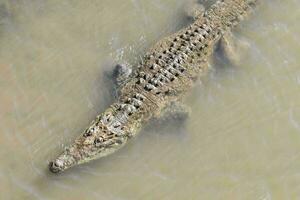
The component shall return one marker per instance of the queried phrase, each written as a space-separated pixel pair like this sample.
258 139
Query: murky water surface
242 140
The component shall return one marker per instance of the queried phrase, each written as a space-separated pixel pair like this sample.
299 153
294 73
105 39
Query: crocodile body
167 72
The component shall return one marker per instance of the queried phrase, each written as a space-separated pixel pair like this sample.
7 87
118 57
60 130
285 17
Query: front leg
122 73
170 120
175 111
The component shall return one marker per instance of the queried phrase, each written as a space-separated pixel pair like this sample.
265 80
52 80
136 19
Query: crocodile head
87 147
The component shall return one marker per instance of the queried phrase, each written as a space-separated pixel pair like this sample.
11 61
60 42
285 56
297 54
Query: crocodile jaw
82 151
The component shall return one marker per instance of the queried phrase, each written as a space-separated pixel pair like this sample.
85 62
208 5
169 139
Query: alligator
165 74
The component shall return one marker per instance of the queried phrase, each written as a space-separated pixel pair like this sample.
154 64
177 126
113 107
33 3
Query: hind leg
232 48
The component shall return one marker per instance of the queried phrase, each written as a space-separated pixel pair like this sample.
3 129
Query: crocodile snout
54 167
63 162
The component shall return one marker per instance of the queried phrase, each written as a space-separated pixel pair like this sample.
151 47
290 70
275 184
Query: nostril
53 167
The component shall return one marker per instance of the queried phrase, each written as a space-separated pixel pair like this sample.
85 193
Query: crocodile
165 74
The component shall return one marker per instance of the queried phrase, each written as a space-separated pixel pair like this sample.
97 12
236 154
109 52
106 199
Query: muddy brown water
242 140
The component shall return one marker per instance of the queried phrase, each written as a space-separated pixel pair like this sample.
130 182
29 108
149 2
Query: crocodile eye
98 141
108 117
87 133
